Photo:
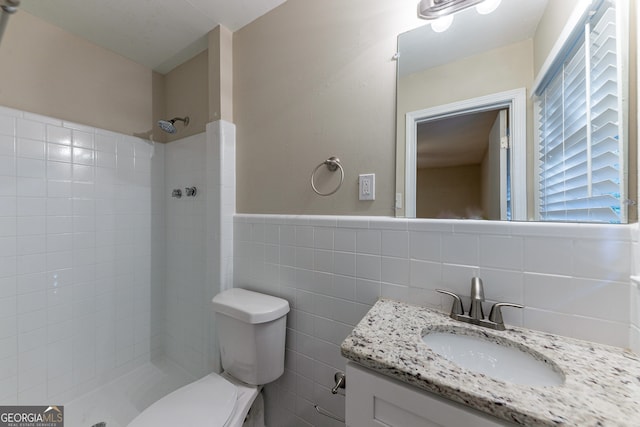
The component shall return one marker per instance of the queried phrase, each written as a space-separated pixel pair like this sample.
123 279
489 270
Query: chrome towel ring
332 164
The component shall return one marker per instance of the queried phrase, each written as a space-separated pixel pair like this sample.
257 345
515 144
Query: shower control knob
177 193
191 191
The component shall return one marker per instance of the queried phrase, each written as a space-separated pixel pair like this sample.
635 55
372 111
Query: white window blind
580 147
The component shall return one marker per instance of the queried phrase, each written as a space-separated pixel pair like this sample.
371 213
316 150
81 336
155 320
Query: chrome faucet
477 298
476 314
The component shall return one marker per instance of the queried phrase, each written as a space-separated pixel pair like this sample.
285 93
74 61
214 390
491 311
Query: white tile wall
199 246
75 256
186 311
572 278
100 269
158 250
634 292
221 206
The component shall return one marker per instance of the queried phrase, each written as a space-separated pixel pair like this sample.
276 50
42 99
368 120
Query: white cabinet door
374 400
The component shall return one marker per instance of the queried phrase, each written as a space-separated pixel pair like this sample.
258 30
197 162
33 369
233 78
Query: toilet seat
213 401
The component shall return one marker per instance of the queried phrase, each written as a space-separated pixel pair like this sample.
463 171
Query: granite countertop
601 387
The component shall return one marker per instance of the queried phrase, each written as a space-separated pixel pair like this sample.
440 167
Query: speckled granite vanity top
601 387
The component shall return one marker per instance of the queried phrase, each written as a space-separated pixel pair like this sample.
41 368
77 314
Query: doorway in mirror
467 159
462 167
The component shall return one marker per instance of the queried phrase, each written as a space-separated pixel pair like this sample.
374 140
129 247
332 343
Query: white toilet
251 332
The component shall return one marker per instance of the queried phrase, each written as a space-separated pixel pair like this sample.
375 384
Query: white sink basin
493 360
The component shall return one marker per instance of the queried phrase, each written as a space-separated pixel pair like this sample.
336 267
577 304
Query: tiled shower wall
186 313
199 243
76 216
572 278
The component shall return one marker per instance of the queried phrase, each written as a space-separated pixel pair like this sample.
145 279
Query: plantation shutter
580 147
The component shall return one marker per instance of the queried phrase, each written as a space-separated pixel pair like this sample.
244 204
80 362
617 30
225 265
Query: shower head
10 5
169 125
7 8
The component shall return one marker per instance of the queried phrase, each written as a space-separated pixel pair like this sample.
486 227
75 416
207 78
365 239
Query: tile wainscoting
572 278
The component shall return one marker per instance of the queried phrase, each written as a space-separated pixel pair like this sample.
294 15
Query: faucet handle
456 308
495 315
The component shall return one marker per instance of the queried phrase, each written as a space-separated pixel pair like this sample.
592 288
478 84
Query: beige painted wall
506 68
187 94
314 79
549 28
49 71
201 87
453 192
220 74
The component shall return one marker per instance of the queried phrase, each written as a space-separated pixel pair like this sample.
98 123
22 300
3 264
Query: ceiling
162 34
454 141
470 34
159 34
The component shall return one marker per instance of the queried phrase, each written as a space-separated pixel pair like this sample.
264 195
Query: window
580 157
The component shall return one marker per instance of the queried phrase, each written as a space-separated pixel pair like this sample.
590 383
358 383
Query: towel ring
332 164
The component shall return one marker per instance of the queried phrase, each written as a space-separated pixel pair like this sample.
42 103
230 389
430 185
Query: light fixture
442 24
441 11
434 9
487 6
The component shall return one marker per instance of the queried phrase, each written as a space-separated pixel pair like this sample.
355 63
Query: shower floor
121 400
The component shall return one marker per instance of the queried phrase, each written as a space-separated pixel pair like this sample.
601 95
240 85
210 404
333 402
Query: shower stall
104 277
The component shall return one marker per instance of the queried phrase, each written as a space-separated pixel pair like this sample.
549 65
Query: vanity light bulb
442 24
487 6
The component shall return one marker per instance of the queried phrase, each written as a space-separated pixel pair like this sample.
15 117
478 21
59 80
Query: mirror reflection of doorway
463 167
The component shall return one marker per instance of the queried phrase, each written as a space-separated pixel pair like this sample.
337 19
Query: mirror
447 81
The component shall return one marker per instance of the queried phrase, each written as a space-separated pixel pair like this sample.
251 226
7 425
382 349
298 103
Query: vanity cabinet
377 400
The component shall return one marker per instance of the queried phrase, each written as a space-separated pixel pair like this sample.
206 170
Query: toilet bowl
251 332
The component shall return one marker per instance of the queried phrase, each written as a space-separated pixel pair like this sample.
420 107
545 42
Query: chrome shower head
169 125
9 6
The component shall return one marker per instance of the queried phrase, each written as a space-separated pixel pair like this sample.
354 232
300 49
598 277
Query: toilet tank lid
248 306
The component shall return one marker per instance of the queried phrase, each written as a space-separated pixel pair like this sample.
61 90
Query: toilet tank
251 331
